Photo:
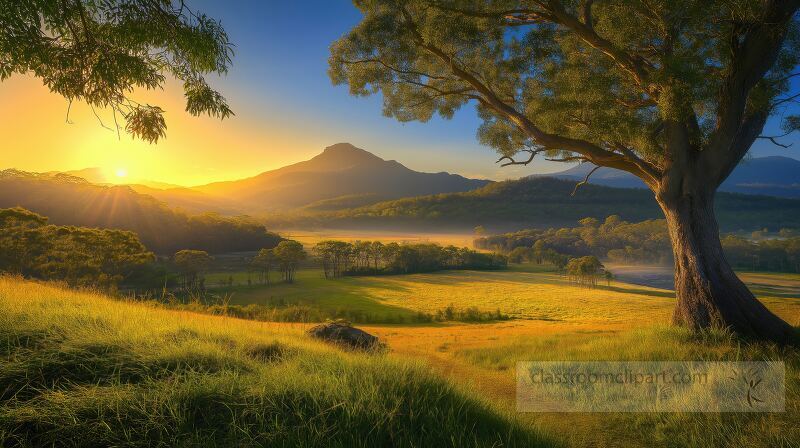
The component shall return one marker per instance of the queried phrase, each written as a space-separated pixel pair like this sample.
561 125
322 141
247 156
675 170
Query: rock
345 334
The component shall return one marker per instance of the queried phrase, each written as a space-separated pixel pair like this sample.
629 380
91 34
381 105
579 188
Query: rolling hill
772 176
340 171
347 187
538 202
70 200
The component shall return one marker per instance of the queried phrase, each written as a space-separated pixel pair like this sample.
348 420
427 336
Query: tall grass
79 369
658 429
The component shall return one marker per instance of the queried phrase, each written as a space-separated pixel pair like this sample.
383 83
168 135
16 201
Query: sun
121 173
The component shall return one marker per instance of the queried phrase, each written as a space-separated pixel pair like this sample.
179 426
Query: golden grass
555 320
80 369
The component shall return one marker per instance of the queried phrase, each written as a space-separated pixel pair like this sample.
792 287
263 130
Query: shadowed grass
78 369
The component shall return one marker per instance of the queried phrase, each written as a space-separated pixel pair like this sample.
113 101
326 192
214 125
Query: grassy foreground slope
80 369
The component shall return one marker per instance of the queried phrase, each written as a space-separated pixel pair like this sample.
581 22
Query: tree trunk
709 294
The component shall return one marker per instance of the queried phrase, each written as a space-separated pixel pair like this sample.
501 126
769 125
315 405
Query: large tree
100 51
673 91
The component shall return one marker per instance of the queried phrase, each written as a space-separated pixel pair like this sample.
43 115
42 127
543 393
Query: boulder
344 334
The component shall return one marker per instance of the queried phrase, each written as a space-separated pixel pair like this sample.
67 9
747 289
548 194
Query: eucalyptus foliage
578 79
99 51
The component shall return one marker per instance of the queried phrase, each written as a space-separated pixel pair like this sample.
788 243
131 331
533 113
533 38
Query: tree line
79 256
341 258
285 257
640 242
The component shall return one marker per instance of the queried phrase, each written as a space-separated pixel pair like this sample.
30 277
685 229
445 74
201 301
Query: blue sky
282 51
281 60
286 109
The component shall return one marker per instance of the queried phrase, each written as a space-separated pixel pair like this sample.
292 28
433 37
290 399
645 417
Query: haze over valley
347 187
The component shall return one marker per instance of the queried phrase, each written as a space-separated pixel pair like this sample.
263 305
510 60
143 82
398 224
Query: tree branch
552 11
490 99
511 160
584 181
634 64
774 140
785 100
397 70
754 48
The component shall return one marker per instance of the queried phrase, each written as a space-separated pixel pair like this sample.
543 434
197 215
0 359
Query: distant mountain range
71 200
98 176
340 171
771 176
347 186
334 179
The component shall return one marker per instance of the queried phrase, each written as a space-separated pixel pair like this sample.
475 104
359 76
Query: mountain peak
343 156
344 147
348 149
342 172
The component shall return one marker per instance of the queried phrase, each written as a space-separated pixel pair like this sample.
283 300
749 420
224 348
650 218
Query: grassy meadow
80 369
128 373
553 319
525 292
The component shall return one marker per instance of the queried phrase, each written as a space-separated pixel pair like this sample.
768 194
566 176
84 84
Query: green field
80 369
555 320
525 291
129 373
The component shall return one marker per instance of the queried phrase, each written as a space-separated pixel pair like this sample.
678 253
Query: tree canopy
193 265
611 82
77 255
100 51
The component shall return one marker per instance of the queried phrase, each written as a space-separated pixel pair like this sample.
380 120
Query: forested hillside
541 202
69 200
639 242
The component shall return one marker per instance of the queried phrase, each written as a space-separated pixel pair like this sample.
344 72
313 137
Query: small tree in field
100 51
289 254
264 262
584 270
193 264
609 277
674 92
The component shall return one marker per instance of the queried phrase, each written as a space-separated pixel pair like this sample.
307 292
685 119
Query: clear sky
287 111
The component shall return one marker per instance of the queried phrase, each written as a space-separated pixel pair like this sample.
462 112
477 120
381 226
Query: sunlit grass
526 291
80 363
80 369
653 343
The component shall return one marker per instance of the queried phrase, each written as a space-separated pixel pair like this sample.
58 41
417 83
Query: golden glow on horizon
200 150
197 150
